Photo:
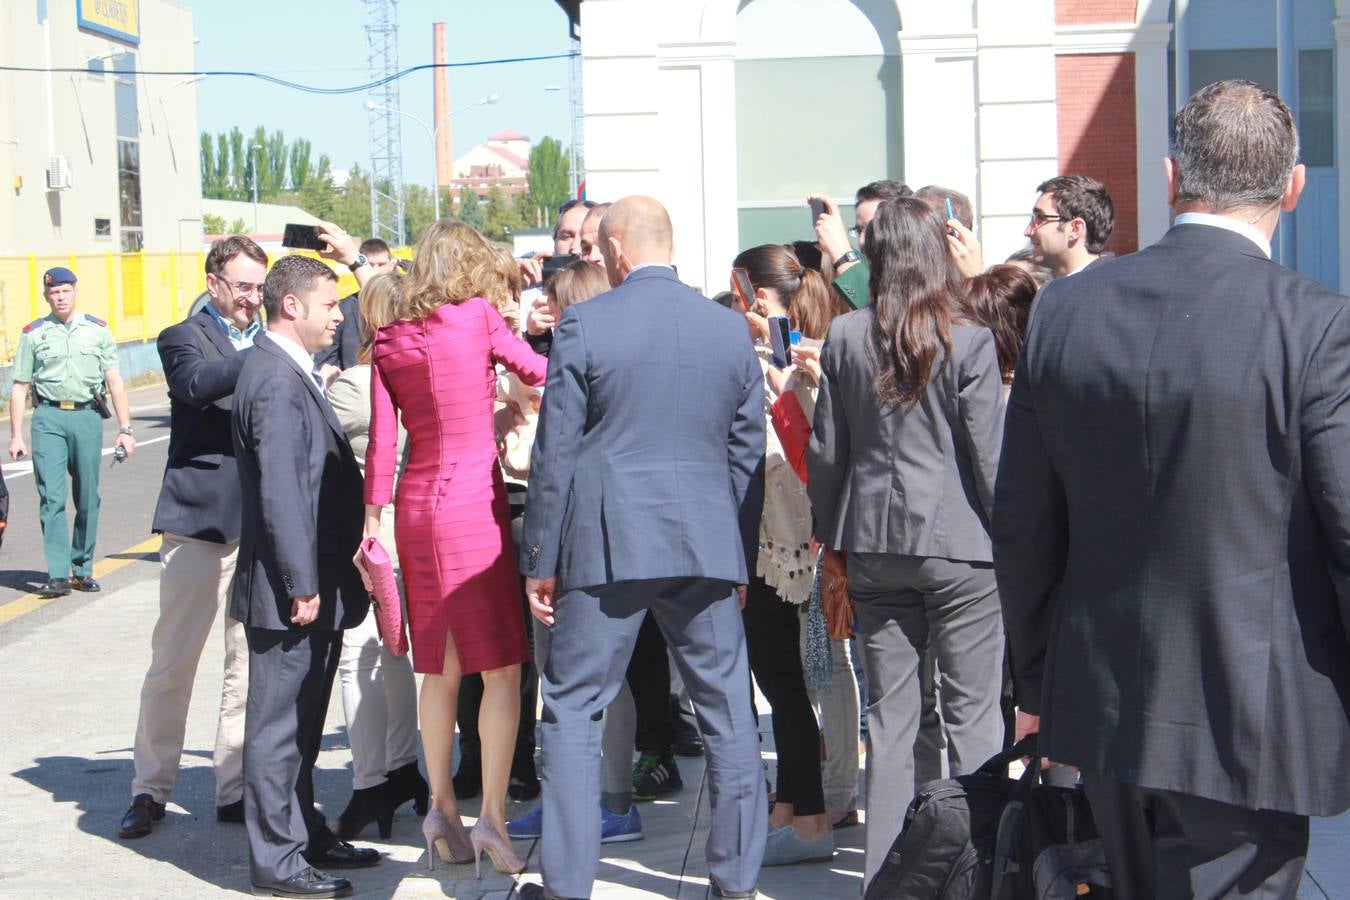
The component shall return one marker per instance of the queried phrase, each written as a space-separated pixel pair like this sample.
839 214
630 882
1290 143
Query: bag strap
1011 819
996 765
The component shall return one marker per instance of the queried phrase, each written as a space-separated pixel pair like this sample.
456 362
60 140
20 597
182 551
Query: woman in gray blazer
902 460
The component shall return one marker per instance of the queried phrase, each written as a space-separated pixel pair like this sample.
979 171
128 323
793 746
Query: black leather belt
63 404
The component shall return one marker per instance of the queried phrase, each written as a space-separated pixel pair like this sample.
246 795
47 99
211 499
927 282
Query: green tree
525 211
317 194
239 166
499 216
351 206
547 177
213 224
418 211
222 176
470 210
301 166
208 161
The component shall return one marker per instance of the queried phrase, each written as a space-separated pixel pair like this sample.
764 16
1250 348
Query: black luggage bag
985 836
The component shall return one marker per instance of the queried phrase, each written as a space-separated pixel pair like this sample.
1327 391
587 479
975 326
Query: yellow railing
137 294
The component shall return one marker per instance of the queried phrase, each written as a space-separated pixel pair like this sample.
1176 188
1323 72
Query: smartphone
817 209
780 339
950 215
740 283
302 237
554 264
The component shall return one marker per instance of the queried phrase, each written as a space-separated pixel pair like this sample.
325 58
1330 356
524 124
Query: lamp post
431 133
253 149
571 138
168 126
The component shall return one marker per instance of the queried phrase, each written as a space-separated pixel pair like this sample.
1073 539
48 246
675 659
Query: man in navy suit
1172 526
295 586
645 497
198 516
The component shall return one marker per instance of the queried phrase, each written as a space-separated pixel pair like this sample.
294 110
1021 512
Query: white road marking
25 467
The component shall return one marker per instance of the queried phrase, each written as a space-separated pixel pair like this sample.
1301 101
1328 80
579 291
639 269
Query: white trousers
379 698
194 584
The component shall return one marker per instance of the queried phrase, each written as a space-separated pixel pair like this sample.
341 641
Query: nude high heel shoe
447 837
486 838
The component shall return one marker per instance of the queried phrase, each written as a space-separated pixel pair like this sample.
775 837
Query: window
1258 64
103 228
1316 108
127 115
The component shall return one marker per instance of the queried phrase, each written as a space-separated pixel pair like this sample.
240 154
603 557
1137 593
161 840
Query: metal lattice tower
386 143
577 164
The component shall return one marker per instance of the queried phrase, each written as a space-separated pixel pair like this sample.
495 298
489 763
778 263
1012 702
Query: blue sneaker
616 829
528 827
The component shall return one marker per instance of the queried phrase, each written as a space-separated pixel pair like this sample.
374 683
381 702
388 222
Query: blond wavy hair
381 303
452 263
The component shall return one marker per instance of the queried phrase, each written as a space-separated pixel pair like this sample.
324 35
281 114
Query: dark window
1316 109
129 182
127 115
103 228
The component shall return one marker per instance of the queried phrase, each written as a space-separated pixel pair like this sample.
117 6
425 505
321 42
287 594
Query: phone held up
302 237
818 209
744 290
781 339
950 215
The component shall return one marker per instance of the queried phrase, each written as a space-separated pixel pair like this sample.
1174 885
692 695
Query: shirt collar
302 359
640 266
1250 232
240 339
1083 266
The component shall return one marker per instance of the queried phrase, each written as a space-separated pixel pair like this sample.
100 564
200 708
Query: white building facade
732 111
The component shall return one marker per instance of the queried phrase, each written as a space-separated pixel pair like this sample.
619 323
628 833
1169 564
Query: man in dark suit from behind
645 495
347 339
295 587
1172 526
198 516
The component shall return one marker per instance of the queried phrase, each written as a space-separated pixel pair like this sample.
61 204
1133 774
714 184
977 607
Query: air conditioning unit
58 173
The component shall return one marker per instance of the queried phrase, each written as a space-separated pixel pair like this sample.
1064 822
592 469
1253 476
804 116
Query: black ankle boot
406 783
372 804
524 783
468 780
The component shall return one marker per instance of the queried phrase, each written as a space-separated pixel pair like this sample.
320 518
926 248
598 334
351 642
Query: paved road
70 676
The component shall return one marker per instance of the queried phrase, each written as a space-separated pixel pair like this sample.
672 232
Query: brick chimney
445 156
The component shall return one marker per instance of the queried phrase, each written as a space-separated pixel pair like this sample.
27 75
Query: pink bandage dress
451 521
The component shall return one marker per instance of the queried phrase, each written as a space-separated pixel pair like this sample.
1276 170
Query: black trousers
290 680
471 697
649 681
1169 846
772 636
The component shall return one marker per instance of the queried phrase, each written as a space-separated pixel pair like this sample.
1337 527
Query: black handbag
985 836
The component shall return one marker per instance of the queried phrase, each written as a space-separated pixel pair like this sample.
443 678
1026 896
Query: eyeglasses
1039 218
244 288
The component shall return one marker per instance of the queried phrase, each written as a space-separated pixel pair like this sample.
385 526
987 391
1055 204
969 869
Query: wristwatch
358 262
127 430
846 258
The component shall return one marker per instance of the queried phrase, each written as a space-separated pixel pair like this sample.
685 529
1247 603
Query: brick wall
1097 132
1092 12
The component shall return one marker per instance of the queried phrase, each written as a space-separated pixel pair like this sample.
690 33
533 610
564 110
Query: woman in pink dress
436 367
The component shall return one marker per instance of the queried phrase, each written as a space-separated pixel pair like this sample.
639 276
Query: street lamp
431 133
571 136
168 126
253 149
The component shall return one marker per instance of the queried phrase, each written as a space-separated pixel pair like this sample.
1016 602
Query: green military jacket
853 283
65 362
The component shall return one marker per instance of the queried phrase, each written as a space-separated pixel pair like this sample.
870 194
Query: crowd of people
1100 499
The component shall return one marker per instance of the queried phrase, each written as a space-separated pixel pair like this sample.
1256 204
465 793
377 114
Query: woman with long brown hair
799 828
1000 299
902 459
436 368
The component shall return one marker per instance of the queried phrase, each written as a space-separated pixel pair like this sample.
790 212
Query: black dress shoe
231 812
309 883
85 583
56 587
141 817
343 855
537 892
719 891
524 783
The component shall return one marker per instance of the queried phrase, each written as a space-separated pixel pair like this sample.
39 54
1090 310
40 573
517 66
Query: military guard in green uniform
66 357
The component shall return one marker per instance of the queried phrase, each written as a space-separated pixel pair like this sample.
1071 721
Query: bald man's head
634 231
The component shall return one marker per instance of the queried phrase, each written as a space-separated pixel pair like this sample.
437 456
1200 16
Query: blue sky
324 44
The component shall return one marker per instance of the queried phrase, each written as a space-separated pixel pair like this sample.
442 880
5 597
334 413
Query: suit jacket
1173 525
302 507
649 452
347 339
200 494
917 480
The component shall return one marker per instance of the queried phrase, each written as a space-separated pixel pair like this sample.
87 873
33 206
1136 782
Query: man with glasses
199 516
1070 223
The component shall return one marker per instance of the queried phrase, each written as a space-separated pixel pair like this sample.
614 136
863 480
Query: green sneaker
654 776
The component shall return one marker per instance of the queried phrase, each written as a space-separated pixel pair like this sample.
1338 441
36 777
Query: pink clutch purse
384 590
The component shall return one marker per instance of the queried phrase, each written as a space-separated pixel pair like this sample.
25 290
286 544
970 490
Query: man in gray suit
295 586
1172 526
645 496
